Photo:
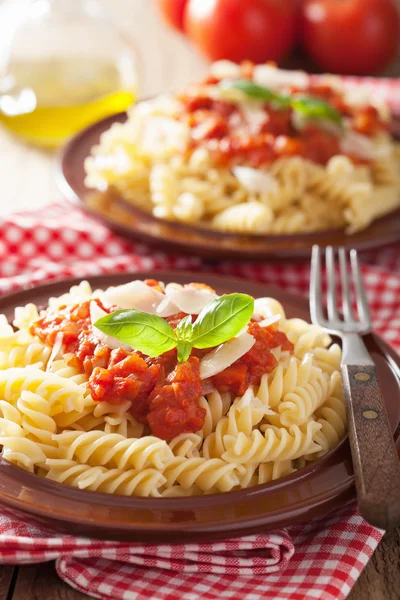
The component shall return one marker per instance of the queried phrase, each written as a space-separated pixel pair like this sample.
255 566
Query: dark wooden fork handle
375 459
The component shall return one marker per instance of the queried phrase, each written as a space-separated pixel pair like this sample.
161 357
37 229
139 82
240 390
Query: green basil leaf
184 349
314 108
258 92
184 329
221 320
149 334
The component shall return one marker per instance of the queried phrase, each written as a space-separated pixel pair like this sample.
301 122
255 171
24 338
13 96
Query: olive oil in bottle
64 64
45 102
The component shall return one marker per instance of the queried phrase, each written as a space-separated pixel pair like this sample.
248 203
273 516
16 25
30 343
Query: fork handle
375 459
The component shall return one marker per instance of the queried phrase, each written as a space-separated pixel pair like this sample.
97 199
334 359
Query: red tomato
173 11
256 30
356 37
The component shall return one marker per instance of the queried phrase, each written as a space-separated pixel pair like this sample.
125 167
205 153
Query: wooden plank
6 580
380 579
41 582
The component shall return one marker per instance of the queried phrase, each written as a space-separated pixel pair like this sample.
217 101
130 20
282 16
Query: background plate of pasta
163 407
252 160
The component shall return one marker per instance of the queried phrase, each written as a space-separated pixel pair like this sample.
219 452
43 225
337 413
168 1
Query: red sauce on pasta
229 135
164 394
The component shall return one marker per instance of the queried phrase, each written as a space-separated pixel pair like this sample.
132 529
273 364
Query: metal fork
375 459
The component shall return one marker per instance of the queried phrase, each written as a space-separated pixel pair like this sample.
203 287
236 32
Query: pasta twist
24 316
98 448
11 420
284 379
164 190
188 208
290 220
251 217
22 452
216 406
77 294
328 359
24 352
276 444
292 176
332 418
100 479
186 444
244 414
36 422
206 474
62 395
62 369
386 171
296 407
258 474
304 337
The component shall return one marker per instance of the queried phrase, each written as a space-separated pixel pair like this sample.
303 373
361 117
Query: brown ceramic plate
314 491
137 224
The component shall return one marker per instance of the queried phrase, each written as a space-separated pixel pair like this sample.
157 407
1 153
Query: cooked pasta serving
147 389
255 150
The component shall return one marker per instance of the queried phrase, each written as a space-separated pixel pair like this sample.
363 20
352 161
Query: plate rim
34 482
68 191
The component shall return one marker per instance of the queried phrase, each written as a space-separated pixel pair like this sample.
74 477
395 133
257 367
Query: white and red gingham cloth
319 560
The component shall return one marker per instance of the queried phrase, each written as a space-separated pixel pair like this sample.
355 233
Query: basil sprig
314 108
309 106
219 321
256 91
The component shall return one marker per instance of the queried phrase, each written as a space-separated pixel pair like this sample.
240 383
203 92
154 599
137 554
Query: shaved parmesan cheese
55 350
360 145
267 307
225 355
225 69
270 320
97 313
276 79
189 300
135 294
256 181
167 308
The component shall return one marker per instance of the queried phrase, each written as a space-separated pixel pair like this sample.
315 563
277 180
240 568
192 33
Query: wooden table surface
27 181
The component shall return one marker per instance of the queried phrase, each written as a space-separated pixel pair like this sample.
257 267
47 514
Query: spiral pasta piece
304 336
186 444
206 474
37 423
10 421
110 449
63 395
296 407
164 190
251 217
216 406
276 444
100 479
258 474
328 359
332 418
22 452
284 379
244 414
62 369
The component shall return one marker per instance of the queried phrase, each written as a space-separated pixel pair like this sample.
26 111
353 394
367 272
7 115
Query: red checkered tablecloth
319 560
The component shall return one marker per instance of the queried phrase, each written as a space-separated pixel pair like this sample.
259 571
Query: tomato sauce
164 394
223 128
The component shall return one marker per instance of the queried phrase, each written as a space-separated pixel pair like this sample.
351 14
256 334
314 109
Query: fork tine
331 281
346 294
362 301
317 314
